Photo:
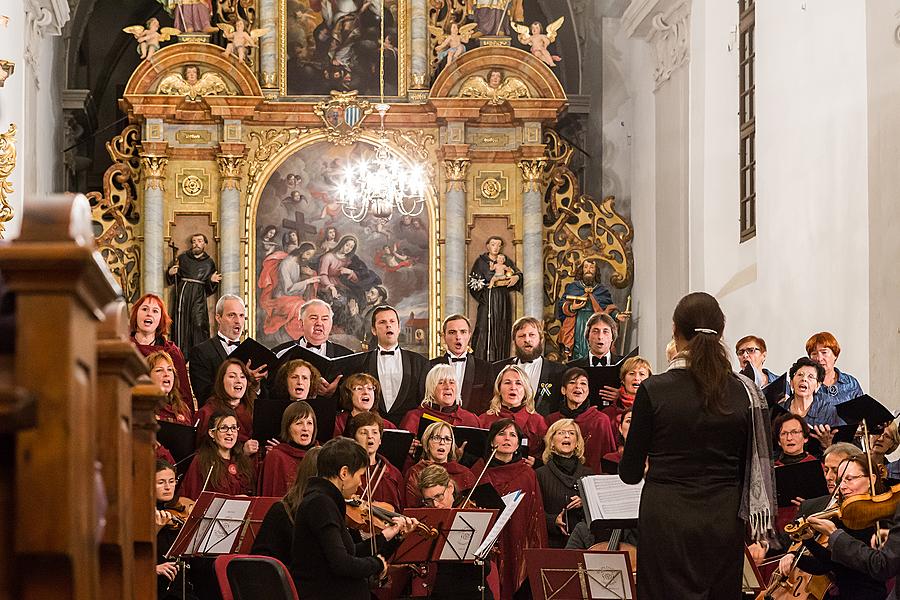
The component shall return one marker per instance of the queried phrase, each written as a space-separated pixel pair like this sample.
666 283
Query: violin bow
480 475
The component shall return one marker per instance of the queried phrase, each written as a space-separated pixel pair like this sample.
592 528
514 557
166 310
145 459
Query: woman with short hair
438 448
297 438
359 393
440 403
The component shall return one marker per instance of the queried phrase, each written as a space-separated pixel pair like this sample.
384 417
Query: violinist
438 447
451 580
359 393
851 583
508 472
325 562
167 570
221 459
233 390
275 535
384 481
297 437
563 467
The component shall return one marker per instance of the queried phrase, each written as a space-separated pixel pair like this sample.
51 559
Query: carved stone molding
666 24
7 164
230 166
533 173
456 170
43 18
153 171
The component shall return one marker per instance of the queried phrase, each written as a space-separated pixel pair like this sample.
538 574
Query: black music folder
257 354
395 444
329 368
608 375
800 480
776 391
865 408
477 439
178 439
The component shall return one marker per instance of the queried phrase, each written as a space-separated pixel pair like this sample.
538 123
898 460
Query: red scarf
625 399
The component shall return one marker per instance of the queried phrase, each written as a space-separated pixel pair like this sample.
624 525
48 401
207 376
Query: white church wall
806 270
12 96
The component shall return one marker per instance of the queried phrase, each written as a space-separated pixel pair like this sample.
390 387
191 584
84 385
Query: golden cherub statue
538 40
150 37
239 40
453 44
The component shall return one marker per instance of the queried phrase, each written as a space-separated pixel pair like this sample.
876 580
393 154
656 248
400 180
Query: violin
180 509
382 515
856 512
797 585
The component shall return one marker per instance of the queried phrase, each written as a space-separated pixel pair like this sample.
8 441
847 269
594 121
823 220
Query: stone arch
538 77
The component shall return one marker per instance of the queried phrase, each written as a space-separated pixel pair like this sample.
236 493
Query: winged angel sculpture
150 37
191 85
538 40
494 88
239 40
453 44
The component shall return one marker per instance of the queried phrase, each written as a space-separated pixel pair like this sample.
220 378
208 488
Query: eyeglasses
791 432
228 428
439 497
362 388
743 351
850 478
442 439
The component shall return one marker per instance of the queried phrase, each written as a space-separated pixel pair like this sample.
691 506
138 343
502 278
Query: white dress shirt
390 375
320 350
229 348
460 368
533 370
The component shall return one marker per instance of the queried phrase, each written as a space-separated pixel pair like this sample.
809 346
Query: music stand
579 575
221 524
460 532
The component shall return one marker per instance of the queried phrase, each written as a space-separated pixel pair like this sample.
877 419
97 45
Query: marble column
230 223
454 279
268 44
153 173
419 35
532 235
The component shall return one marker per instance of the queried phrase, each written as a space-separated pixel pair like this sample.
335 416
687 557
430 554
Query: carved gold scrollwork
441 13
230 170
115 212
533 173
267 144
456 170
7 164
153 171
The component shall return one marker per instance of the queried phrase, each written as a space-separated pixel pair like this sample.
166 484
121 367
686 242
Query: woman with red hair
149 325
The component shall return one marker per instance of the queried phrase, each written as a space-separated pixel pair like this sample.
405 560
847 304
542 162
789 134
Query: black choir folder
600 377
865 408
800 480
267 414
395 444
329 368
256 354
475 438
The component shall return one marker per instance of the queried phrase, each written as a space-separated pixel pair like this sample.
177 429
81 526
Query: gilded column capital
456 170
533 173
7 164
153 171
230 166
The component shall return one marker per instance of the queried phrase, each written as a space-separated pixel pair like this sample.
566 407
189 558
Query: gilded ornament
455 170
267 144
343 115
7 164
191 185
153 170
6 70
495 89
533 173
115 213
490 189
191 85
230 170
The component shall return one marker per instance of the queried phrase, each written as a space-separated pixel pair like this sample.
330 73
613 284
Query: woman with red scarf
595 426
634 370
508 473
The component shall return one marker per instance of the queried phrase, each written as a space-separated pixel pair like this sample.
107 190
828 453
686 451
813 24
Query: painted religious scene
334 45
306 247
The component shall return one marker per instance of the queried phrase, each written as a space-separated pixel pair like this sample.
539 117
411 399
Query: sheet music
608 497
512 501
204 526
224 525
467 530
607 576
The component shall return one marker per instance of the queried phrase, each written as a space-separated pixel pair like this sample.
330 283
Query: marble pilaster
230 222
268 44
454 278
153 173
419 31
532 234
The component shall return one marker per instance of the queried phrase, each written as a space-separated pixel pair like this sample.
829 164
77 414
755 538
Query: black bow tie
387 352
453 359
228 342
313 347
525 362
598 361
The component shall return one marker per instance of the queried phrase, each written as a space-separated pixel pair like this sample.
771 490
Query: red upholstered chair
250 577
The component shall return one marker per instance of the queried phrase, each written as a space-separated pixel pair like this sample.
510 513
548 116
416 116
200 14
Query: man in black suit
545 376
601 332
206 357
400 372
474 384
316 319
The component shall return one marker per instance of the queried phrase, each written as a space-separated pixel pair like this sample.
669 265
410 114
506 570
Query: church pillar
419 31
532 234
454 279
153 173
230 222
268 44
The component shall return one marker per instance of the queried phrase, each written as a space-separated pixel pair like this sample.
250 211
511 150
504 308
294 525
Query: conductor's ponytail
699 320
